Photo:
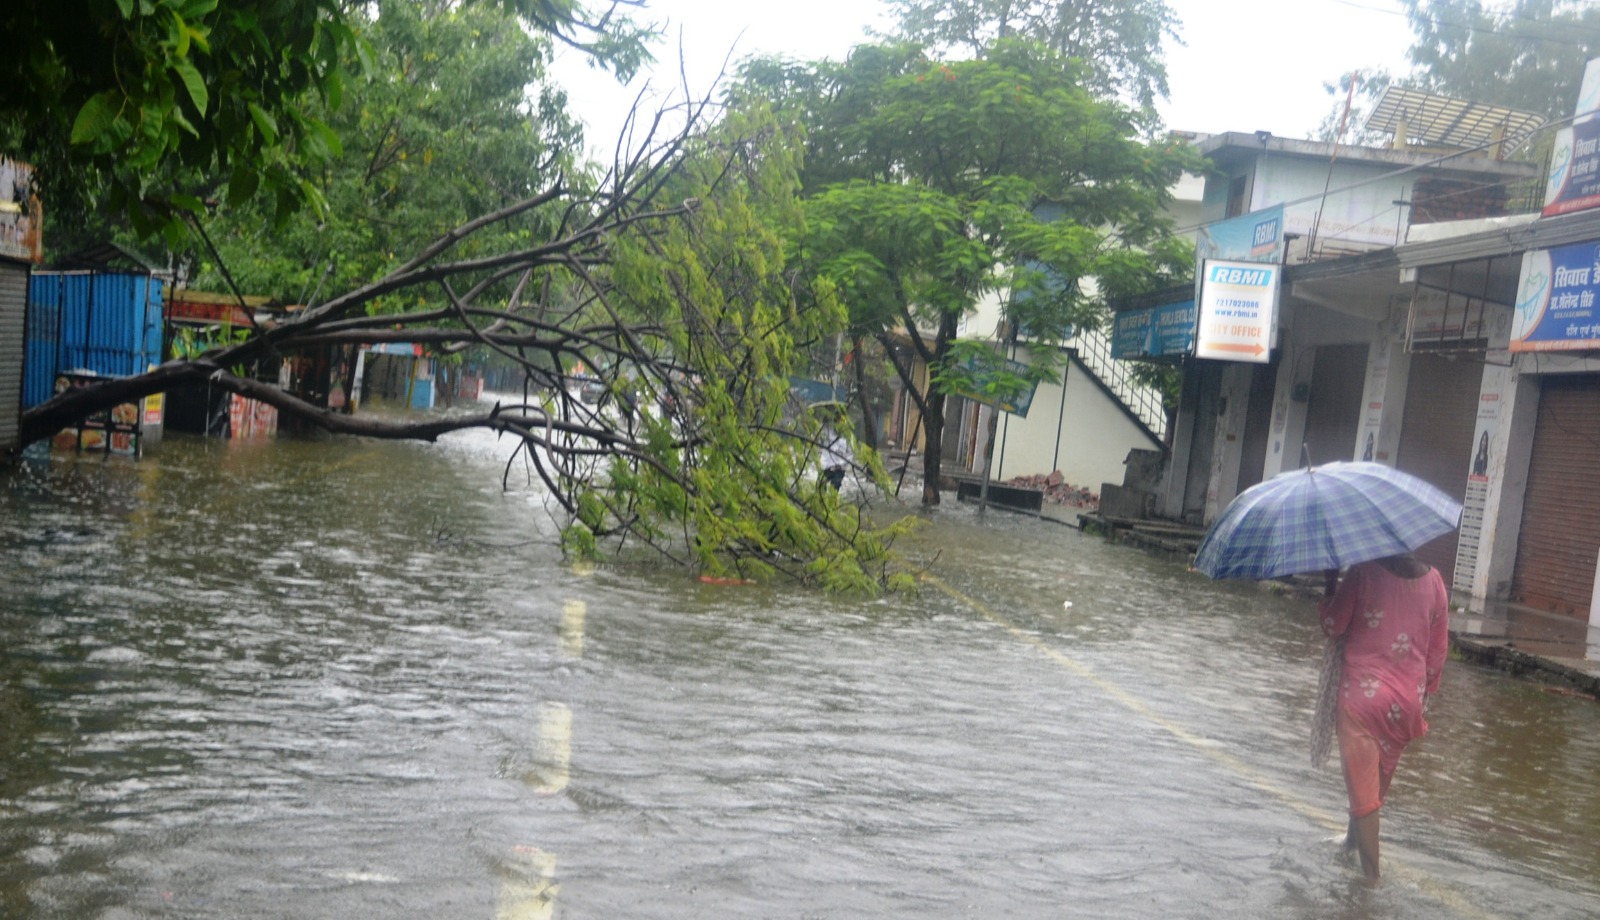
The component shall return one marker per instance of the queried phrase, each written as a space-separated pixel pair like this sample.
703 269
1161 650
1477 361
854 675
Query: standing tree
141 111
1118 41
930 185
1527 55
452 119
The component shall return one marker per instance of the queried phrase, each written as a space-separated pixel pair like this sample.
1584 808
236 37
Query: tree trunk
869 425
933 447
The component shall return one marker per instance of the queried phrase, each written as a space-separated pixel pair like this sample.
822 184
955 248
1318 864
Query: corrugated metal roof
1441 121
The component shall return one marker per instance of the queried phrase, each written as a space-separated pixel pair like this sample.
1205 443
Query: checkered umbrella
1324 517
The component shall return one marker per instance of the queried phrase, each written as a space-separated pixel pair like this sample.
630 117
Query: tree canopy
148 108
1528 55
454 118
930 184
1118 41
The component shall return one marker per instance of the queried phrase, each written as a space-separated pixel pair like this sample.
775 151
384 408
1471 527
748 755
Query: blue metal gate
101 322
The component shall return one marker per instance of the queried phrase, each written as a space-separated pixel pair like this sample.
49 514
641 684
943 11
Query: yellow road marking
531 895
571 632
1423 881
552 753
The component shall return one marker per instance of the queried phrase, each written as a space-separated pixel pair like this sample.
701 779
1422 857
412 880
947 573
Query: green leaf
265 123
194 83
94 119
242 185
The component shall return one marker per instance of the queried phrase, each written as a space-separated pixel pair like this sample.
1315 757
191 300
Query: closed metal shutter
1436 443
13 316
1334 414
1560 535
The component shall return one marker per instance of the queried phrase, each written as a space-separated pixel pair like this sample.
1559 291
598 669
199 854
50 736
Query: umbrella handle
1330 582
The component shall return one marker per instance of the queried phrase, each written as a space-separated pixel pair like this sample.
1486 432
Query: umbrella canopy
1324 517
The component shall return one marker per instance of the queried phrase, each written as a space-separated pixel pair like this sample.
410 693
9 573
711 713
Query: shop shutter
1257 424
1436 442
13 316
1334 413
1560 535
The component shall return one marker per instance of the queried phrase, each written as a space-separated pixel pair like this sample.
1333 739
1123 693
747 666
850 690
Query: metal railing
1142 402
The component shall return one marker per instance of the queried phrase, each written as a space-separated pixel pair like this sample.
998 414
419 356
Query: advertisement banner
1154 332
21 216
1588 106
1253 237
1556 308
1238 311
981 377
1574 183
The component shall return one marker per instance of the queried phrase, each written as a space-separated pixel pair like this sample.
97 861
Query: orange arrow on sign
1254 349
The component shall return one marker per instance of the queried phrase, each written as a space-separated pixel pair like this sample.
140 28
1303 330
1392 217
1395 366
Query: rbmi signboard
1238 310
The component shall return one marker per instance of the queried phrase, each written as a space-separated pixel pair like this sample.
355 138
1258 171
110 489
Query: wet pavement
349 679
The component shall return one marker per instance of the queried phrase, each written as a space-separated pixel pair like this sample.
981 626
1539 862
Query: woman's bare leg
1365 832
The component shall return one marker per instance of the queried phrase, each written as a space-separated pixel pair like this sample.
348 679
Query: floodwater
353 679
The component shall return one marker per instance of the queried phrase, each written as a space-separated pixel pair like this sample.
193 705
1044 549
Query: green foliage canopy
932 184
1118 41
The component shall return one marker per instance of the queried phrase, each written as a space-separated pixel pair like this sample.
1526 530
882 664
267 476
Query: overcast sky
1246 65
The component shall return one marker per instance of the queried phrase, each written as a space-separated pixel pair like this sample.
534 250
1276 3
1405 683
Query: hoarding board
981 377
1574 182
1256 237
1154 332
1588 107
1556 309
1238 310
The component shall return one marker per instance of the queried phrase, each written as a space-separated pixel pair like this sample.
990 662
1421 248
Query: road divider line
1424 882
571 630
552 753
531 893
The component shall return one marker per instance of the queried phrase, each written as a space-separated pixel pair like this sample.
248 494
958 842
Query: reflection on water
356 679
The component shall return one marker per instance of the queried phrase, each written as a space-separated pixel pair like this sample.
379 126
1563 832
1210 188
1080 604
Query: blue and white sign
1556 300
1154 332
1574 182
1588 94
1257 237
1238 310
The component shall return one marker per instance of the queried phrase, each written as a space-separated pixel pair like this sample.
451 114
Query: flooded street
356 679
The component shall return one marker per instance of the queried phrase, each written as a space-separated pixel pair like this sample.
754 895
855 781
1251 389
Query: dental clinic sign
1557 297
1238 311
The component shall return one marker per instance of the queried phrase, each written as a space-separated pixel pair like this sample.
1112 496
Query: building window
1236 199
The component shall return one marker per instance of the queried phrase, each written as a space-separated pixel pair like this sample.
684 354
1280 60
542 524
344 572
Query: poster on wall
21 217
1556 309
1238 311
1481 469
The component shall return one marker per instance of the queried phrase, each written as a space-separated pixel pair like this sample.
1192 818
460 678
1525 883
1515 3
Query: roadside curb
1500 654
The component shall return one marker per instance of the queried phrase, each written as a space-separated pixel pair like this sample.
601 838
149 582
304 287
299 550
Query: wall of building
1077 429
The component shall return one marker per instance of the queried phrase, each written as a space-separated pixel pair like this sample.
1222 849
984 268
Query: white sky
1247 65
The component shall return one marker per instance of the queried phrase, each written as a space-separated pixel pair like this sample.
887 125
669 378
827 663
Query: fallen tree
667 279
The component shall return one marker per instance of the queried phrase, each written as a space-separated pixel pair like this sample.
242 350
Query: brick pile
1057 491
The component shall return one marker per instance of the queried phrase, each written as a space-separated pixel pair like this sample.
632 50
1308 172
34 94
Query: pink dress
1396 633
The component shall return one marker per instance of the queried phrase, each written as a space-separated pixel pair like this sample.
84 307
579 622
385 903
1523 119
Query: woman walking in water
1393 617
